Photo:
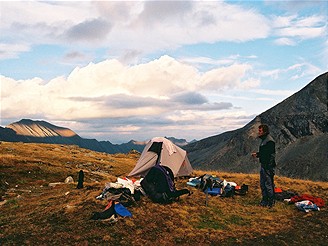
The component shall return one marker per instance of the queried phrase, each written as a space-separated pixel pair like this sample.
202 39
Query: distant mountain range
30 131
299 125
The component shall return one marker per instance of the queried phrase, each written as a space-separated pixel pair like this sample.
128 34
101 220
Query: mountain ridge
40 131
298 123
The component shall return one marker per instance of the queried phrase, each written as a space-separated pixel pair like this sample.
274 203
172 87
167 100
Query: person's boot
264 201
271 202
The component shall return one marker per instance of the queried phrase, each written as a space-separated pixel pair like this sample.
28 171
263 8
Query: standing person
266 155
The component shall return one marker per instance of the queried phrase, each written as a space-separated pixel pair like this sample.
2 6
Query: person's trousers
267 183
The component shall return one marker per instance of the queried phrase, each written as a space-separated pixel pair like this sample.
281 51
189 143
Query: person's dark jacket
267 152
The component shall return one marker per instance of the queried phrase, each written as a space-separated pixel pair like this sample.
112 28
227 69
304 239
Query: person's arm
256 154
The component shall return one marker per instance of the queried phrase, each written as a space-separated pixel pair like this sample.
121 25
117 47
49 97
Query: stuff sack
241 190
228 191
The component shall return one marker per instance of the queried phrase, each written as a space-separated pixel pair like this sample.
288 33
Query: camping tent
163 151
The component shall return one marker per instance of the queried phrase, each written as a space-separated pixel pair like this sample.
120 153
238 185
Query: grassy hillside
34 213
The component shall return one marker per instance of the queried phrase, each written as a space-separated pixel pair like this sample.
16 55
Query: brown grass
34 213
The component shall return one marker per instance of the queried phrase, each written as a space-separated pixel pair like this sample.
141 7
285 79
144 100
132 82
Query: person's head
263 130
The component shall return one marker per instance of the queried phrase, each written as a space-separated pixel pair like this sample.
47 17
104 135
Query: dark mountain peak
302 114
299 125
135 142
178 141
312 98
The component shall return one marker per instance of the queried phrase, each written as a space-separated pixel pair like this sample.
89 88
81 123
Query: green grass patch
208 221
237 220
12 203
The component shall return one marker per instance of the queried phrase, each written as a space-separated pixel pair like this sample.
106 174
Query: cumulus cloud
164 91
224 77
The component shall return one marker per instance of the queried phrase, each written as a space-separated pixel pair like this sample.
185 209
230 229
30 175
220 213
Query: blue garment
121 210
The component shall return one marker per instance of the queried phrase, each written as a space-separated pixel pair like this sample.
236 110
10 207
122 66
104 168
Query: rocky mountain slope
299 125
42 129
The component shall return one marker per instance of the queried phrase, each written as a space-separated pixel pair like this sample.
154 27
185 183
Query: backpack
159 185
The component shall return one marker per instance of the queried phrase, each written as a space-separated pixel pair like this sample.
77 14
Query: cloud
299 27
190 98
285 41
161 92
296 71
223 78
9 51
74 55
143 27
200 61
186 124
164 11
89 30
198 102
285 93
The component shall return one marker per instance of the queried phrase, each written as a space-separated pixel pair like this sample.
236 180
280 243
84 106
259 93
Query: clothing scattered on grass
214 186
316 200
125 191
108 212
307 206
122 211
283 195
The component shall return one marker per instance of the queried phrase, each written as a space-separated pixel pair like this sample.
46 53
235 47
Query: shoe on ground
271 203
264 203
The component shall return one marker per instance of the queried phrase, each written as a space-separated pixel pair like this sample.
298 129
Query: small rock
69 179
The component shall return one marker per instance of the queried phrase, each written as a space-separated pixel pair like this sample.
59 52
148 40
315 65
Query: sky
123 70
